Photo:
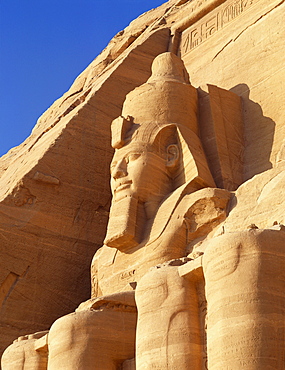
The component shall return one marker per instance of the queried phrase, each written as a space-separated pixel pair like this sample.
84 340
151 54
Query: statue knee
244 273
159 284
27 352
67 330
71 341
13 357
63 324
167 308
86 337
246 249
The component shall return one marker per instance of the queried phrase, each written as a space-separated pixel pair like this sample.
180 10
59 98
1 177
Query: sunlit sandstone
191 273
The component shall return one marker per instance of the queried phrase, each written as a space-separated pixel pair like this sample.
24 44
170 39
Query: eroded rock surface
55 194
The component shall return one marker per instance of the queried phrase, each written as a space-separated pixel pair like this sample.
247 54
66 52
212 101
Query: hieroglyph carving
212 23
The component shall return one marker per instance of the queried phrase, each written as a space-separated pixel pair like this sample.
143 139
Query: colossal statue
163 245
160 184
242 277
160 181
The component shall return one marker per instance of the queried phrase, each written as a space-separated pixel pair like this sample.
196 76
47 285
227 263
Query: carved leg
245 276
92 340
168 330
27 352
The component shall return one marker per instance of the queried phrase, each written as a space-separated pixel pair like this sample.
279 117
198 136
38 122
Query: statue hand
123 301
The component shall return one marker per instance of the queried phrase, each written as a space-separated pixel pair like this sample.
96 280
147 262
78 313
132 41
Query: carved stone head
157 150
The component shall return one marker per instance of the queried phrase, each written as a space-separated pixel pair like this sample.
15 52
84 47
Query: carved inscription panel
212 23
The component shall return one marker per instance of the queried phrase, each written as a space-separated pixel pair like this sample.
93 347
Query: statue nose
120 170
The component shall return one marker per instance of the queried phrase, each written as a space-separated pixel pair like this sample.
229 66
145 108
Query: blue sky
44 46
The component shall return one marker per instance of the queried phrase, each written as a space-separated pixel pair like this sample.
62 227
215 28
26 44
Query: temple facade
186 245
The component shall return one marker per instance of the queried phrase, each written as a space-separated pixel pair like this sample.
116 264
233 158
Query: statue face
136 172
139 182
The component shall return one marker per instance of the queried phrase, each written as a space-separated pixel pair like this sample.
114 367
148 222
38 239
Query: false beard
126 224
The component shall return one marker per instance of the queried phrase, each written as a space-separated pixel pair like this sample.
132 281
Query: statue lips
122 185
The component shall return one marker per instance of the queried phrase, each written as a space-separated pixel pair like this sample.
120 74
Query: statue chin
121 240
125 229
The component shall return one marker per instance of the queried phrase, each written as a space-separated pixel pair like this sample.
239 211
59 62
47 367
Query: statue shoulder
195 209
104 256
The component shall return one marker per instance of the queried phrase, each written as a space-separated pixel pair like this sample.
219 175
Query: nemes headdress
166 101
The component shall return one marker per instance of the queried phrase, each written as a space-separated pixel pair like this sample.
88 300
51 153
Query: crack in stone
257 20
252 24
223 48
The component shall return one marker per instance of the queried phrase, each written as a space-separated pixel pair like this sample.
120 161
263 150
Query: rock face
55 194
198 181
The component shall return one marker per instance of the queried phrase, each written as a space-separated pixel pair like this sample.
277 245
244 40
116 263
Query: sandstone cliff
54 194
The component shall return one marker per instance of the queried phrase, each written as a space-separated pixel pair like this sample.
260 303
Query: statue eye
133 156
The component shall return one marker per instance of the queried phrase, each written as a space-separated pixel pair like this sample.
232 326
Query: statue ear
172 156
